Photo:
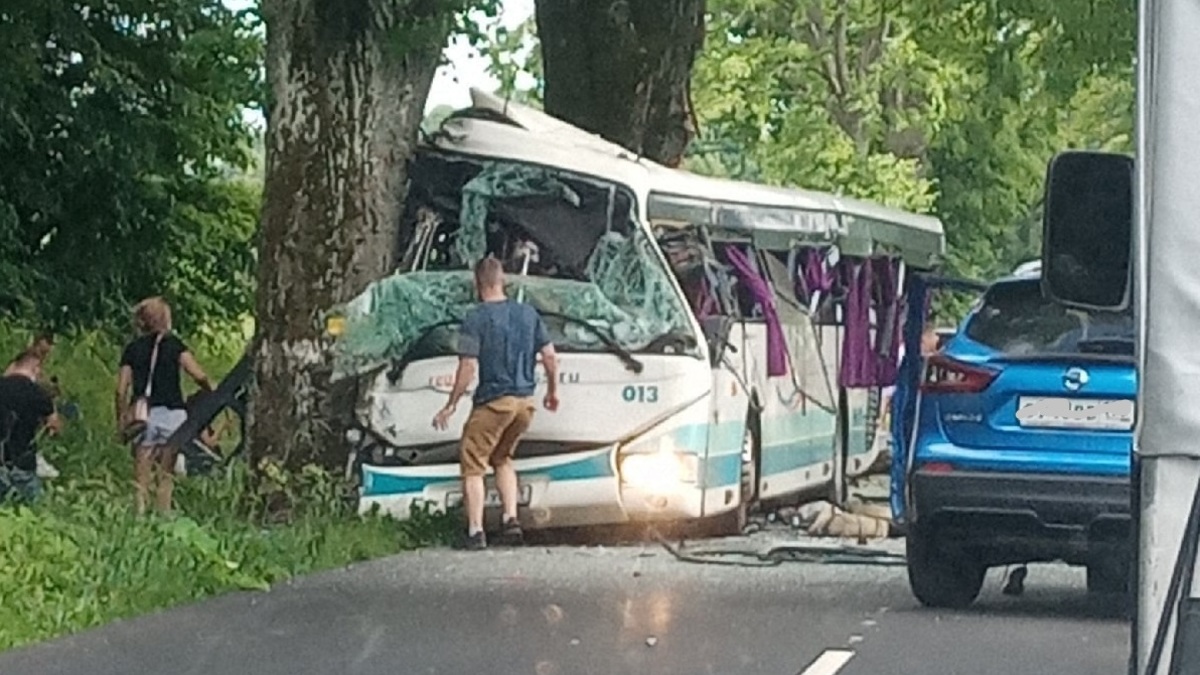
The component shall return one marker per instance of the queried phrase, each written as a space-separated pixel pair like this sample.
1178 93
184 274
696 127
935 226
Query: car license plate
1075 413
492 499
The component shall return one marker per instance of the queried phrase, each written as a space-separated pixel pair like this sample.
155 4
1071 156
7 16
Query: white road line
829 663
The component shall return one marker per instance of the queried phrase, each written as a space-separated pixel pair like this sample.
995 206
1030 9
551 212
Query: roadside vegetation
79 558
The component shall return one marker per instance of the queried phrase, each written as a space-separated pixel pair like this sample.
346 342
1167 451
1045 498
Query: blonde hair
152 315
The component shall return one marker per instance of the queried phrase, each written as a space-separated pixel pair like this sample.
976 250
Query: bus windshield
572 247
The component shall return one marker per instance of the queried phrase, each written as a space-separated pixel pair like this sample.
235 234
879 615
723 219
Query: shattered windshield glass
571 246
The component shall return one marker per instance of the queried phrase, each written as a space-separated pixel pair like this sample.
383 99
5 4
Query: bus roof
775 217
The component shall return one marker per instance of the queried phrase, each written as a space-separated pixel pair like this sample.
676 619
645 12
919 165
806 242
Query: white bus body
671 442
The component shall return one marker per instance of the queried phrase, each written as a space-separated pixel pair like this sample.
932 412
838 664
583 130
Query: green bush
79 558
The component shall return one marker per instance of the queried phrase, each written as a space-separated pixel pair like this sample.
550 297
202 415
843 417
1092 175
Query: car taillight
944 375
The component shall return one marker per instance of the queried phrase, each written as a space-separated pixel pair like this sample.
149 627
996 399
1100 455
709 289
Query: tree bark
348 83
622 69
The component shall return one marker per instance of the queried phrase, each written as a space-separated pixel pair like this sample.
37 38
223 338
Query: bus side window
786 304
743 305
690 262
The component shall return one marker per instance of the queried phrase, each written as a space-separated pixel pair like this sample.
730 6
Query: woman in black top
150 369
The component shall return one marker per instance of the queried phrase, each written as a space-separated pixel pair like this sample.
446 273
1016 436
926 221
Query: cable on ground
781 553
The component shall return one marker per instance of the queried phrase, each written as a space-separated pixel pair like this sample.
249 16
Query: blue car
1021 446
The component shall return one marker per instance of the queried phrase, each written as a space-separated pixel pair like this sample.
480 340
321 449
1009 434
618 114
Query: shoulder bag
139 415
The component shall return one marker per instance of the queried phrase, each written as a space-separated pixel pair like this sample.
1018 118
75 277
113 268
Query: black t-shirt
166 391
24 404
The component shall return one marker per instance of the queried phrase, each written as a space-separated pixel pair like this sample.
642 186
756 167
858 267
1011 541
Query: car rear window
1016 319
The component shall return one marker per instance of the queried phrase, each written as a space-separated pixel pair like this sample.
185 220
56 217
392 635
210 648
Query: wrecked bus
721 343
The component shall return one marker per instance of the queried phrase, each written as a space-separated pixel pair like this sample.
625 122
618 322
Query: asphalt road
627 609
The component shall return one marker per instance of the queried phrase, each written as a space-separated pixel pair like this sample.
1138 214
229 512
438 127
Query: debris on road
742 552
866 515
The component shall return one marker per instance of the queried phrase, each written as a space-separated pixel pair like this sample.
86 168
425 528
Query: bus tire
733 523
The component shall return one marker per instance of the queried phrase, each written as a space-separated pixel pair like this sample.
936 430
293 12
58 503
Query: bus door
710 290
921 292
855 304
798 417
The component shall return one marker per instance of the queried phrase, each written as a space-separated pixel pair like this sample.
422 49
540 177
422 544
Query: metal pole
1168 293
1141 216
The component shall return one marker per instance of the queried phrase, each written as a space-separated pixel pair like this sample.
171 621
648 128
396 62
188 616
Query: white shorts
162 423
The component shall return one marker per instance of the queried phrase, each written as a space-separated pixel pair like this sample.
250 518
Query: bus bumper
547 501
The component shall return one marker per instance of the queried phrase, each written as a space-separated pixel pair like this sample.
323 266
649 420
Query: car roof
1016 279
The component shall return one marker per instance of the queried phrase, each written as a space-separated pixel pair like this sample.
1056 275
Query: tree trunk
348 83
622 69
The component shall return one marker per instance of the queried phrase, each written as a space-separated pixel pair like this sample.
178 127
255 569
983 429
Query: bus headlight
660 470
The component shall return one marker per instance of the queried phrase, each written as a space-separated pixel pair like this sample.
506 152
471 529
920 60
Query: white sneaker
45 470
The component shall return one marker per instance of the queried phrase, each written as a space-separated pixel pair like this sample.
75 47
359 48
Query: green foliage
214 278
953 108
515 58
79 558
946 106
1026 99
834 96
123 135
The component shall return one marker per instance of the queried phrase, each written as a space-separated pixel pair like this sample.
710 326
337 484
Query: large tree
348 83
622 69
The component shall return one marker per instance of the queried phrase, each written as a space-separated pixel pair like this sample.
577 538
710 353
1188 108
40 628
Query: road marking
829 663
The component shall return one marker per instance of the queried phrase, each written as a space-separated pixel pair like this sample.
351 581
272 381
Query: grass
79 558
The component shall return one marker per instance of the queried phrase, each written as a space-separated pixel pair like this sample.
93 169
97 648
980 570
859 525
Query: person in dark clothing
25 408
501 339
149 380
40 350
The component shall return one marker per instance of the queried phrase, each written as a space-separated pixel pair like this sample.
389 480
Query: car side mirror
716 332
1087 234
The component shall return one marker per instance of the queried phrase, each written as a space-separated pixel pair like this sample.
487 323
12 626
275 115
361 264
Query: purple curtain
858 364
811 274
870 361
762 293
888 313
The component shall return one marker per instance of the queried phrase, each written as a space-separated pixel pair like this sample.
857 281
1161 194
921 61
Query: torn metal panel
781 219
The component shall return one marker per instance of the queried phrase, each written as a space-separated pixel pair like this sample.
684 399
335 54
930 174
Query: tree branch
839 47
814 36
872 49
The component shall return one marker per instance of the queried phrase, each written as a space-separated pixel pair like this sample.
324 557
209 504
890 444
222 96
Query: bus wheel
734 522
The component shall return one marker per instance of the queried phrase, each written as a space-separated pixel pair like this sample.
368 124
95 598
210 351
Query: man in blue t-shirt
501 340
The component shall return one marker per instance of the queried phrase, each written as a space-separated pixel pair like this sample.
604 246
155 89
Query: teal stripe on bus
377 484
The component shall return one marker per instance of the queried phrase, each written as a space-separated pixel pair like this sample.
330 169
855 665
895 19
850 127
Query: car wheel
941 578
1108 578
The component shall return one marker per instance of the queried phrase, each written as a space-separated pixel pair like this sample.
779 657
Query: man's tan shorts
492 431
